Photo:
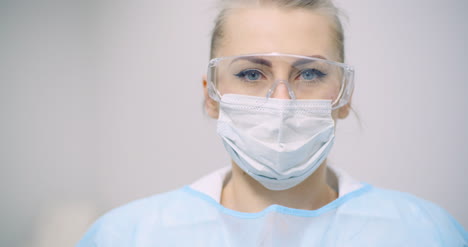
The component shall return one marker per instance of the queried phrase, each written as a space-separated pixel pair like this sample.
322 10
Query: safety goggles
259 75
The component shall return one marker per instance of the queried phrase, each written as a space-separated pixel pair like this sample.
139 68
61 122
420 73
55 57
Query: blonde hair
323 6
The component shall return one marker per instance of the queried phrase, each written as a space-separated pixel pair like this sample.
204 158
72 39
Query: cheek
331 95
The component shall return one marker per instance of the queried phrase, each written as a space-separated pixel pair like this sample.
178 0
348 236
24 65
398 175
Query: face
266 30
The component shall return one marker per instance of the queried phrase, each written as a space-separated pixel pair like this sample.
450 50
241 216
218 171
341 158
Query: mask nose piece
281 90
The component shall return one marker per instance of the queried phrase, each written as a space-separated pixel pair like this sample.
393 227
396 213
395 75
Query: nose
281 92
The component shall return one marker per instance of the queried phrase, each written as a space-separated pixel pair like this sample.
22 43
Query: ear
343 111
211 106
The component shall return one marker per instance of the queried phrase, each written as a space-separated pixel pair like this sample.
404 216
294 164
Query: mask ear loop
288 86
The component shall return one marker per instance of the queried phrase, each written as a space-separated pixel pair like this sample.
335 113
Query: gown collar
212 184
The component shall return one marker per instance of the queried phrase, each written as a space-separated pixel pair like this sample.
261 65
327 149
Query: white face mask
277 142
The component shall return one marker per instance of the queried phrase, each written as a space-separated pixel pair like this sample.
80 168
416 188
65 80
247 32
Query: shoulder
115 228
403 202
413 214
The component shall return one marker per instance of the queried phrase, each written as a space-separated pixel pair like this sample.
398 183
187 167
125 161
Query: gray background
101 104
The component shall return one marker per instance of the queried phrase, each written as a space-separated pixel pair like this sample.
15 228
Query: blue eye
311 74
249 75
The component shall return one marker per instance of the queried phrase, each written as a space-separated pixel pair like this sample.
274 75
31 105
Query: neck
243 193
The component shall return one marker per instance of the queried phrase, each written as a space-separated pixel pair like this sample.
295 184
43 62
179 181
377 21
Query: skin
290 31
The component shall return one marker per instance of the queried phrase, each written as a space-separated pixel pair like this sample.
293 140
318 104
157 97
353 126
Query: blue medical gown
368 216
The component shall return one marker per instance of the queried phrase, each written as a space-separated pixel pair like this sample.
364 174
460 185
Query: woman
277 85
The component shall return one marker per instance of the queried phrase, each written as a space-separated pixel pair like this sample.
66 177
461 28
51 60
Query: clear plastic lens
260 74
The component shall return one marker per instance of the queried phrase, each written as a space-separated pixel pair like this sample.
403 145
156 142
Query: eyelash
242 75
319 74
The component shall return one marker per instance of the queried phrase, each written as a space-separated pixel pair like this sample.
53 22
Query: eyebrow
256 60
305 61
265 62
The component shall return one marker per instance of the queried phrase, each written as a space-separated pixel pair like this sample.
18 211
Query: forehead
270 29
